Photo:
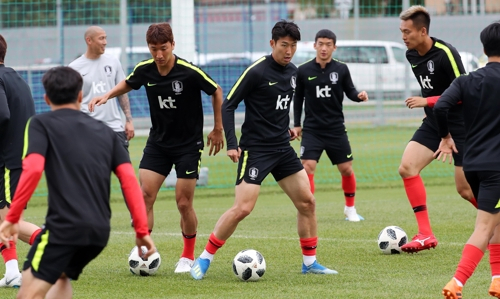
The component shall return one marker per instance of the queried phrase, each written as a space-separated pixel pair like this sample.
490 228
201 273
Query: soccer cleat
352 215
495 288
183 265
420 242
199 268
452 290
11 282
316 268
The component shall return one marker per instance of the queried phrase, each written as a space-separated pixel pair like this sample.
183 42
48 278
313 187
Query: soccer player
173 87
478 93
267 87
435 65
78 154
321 82
16 107
101 72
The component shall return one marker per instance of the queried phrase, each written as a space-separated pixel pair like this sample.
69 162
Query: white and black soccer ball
249 265
139 266
391 239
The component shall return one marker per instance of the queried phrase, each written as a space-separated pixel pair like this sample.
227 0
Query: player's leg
61 289
150 185
494 249
310 168
33 287
415 157
463 187
311 148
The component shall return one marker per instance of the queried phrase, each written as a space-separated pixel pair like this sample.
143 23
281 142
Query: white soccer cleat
11 282
183 265
352 215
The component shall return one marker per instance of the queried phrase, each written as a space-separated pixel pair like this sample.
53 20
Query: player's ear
79 97
272 43
46 98
173 45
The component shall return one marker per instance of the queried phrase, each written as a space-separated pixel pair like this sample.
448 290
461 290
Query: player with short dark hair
267 87
478 93
63 144
321 83
173 87
16 107
435 65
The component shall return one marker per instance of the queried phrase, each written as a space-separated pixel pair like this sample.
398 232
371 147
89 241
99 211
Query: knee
149 197
184 205
405 171
307 206
465 193
241 212
346 171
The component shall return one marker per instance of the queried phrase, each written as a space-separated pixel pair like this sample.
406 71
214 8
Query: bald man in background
101 72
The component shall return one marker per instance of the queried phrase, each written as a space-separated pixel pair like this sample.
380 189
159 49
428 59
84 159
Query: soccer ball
139 266
391 239
249 265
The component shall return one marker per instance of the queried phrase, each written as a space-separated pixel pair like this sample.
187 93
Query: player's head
285 36
95 38
324 44
3 49
490 38
415 23
161 43
63 85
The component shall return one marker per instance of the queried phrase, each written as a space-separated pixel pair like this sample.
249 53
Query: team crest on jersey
334 77
108 70
430 66
293 82
177 86
253 173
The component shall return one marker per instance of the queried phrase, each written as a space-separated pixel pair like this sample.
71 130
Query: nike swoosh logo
151 84
272 83
83 75
190 172
8 282
311 78
349 156
414 66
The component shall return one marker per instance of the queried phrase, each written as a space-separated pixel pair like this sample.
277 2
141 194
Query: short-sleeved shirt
434 72
266 87
16 107
323 91
80 154
175 103
100 76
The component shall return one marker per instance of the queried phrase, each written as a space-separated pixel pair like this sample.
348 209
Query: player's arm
4 110
350 90
124 102
120 89
215 139
298 103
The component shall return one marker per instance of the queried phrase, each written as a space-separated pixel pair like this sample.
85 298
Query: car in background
470 61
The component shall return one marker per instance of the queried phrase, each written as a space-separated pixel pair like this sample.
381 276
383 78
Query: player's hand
446 149
216 141
294 133
129 130
363 96
416 102
148 242
97 101
8 231
234 155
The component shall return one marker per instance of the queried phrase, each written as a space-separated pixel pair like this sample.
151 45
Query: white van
374 65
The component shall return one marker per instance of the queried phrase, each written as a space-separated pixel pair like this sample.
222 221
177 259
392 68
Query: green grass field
350 248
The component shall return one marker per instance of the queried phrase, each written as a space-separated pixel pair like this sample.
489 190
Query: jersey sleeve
120 154
452 63
448 99
348 86
135 80
4 111
35 138
298 100
204 81
238 92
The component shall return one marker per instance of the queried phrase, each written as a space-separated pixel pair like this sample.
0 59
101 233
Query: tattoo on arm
125 105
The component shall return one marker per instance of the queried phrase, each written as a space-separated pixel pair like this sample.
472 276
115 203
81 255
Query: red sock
473 201
189 242
34 235
494 259
309 245
349 187
8 253
471 256
415 190
214 244
311 181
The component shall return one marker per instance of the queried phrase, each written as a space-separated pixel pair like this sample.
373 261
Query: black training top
175 103
80 154
267 89
479 93
16 107
323 91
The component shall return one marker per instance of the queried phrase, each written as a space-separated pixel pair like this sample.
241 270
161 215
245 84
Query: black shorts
157 159
9 178
428 136
254 166
485 186
123 138
337 147
49 261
